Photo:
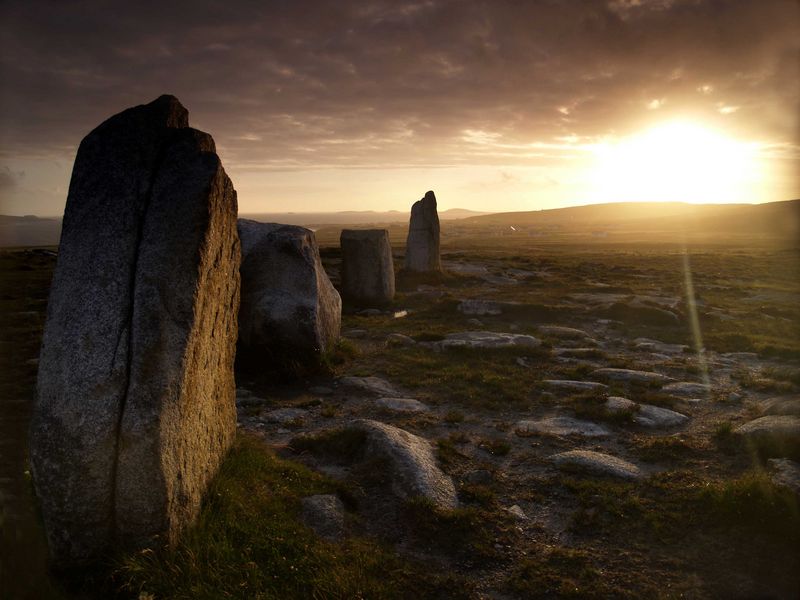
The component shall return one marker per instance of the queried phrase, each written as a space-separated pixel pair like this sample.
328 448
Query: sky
497 105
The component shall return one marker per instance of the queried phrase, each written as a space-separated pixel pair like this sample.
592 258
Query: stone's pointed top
171 110
429 195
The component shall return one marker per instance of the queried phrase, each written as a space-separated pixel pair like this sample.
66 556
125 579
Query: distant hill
781 219
352 217
29 231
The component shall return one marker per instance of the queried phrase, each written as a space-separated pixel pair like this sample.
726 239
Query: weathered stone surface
776 435
408 405
422 244
646 415
561 426
367 267
372 385
286 415
481 307
415 472
785 473
487 339
324 513
574 386
687 389
782 405
598 463
562 332
398 339
631 375
648 345
135 404
289 306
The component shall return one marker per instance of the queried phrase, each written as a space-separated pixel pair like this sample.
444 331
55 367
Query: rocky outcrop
135 405
367 267
773 435
422 244
289 305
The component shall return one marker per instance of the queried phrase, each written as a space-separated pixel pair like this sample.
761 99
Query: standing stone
422 244
135 405
289 305
367 267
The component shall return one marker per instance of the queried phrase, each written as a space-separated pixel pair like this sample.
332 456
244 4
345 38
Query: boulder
135 406
774 435
412 461
785 473
289 306
597 463
646 415
367 267
782 405
422 244
687 389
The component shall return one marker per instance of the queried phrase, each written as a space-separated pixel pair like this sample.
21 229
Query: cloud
391 83
9 179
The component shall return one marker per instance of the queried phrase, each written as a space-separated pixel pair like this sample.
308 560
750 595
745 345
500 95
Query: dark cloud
286 84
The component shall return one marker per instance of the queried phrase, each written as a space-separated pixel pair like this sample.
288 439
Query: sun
676 161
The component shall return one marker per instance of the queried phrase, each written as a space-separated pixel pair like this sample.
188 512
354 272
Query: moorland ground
705 519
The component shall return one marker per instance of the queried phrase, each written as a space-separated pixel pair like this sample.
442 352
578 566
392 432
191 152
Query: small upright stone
422 244
367 267
289 305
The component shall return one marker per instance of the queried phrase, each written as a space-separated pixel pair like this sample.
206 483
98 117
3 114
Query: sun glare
677 161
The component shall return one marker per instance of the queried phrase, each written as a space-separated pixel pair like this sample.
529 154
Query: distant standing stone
135 406
289 305
367 267
422 244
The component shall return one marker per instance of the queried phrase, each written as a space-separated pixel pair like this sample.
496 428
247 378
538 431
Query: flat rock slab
415 472
561 426
597 463
406 405
571 385
785 473
687 389
372 385
481 308
631 375
285 415
783 405
648 345
777 435
398 339
562 332
646 415
487 339
324 513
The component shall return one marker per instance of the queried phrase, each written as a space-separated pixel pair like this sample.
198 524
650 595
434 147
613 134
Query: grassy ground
707 522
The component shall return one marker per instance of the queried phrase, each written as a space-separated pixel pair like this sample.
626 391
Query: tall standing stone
367 267
135 406
422 244
289 305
